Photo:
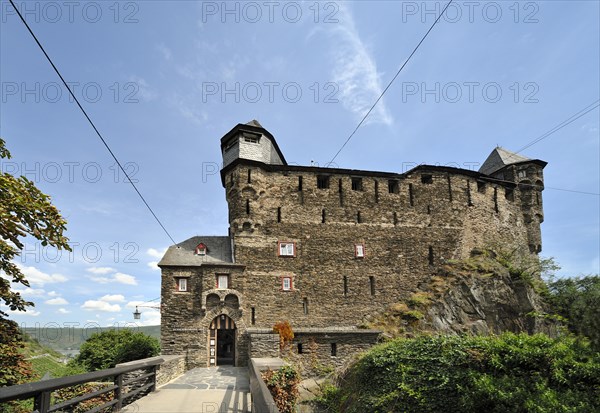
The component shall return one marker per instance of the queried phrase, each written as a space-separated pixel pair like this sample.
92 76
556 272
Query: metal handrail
42 390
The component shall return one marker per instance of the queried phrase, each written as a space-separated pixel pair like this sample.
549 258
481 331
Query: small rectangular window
299 348
481 187
249 176
182 284
286 283
222 282
522 174
393 186
322 182
426 179
251 138
287 249
357 184
359 250
509 194
333 349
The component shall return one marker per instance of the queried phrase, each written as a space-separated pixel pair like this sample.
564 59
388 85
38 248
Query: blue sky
163 81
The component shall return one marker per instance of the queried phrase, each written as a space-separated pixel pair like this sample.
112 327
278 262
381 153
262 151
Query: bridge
157 385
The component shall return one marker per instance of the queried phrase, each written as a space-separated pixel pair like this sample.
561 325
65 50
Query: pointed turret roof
254 122
498 159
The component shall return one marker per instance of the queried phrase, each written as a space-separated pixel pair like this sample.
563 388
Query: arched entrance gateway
221 341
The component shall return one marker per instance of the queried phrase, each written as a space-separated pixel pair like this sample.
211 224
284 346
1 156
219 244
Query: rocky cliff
488 293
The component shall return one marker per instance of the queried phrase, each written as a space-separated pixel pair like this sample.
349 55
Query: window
299 183
358 218
222 282
426 179
253 317
201 249
323 216
278 214
522 174
481 187
249 176
359 250
393 186
231 144
299 348
334 349
305 305
357 184
287 249
411 199
430 256
345 286
509 194
286 283
251 138
181 284
247 207
322 182
372 285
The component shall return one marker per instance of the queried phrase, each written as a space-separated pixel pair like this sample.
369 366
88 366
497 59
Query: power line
91 123
571 190
390 83
561 125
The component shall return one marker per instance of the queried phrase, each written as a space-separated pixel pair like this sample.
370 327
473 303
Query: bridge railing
123 388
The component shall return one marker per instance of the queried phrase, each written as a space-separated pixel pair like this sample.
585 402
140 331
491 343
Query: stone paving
225 377
201 390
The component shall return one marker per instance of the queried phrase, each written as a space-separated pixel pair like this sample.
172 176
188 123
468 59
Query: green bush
283 385
504 374
106 349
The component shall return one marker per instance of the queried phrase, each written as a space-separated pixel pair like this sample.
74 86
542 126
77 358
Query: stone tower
529 176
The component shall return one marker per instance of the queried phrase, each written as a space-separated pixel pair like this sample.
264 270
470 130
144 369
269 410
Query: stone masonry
358 241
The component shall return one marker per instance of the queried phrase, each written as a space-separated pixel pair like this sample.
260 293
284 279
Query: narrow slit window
411 199
305 305
372 285
345 286
430 256
429 209
249 176
395 218
247 207
323 215
279 214
299 348
449 188
496 199
469 200
358 217
253 317
333 349
376 191
340 187
299 183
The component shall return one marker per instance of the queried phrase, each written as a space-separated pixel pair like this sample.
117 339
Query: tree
24 210
107 349
578 300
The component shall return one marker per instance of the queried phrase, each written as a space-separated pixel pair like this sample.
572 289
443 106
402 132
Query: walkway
202 390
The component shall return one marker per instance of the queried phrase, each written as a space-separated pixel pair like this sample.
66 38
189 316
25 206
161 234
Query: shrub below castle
507 373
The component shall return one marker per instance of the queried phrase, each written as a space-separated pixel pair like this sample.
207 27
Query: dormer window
201 249
250 137
231 144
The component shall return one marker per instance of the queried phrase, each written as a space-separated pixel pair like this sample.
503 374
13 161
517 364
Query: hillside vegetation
508 373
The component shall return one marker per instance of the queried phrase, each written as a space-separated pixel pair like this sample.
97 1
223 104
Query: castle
325 247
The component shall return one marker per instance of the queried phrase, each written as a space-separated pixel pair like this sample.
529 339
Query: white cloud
165 51
116 278
125 279
153 252
57 301
33 292
37 277
118 298
29 312
100 270
98 305
63 311
355 72
53 294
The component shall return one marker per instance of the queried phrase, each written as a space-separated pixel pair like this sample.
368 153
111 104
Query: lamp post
137 314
